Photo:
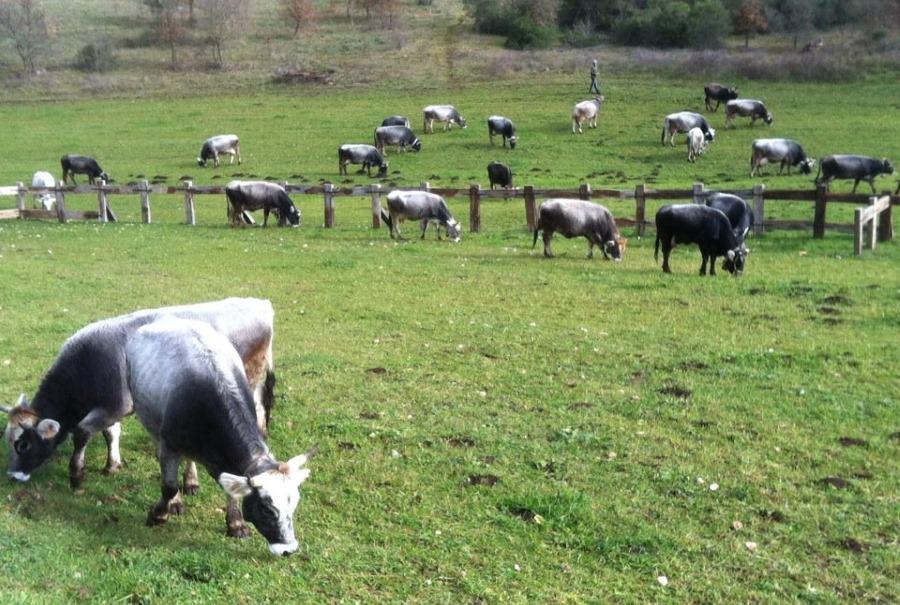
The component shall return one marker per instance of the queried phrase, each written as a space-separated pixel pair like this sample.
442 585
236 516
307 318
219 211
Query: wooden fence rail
880 229
757 196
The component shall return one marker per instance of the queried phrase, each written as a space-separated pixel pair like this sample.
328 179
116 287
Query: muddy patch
460 441
837 299
377 371
693 366
673 390
835 482
523 513
775 516
853 441
367 415
826 310
853 545
703 424
347 446
488 480
581 405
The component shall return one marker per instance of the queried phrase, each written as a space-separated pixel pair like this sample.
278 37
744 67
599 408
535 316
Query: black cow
738 211
708 228
499 174
395 121
366 155
718 93
80 164
856 167
247 196
579 218
504 127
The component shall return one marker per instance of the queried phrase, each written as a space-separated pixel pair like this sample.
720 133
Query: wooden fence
757 196
880 229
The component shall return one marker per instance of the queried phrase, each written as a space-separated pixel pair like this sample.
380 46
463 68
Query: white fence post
102 204
190 217
145 202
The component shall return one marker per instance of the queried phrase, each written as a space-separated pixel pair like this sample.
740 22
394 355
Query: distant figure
594 86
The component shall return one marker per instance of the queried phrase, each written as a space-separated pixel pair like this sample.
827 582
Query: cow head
416 145
269 500
382 170
710 135
735 260
31 440
292 216
201 162
512 141
732 94
104 177
453 230
807 165
462 122
769 118
887 167
616 247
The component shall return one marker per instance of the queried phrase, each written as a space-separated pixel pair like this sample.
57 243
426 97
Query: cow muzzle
284 550
19 476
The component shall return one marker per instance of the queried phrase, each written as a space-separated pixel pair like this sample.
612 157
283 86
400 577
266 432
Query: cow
696 144
246 196
746 108
739 213
366 155
718 93
192 395
586 111
422 206
856 167
43 178
707 227
785 151
395 121
499 174
85 390
401 136
574 218
504 127
683 121
441 113
80 164
219 144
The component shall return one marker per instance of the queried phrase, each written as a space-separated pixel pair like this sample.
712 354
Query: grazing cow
247 196
219 144
42 178
574 218
499 174
192 395
696 144
683 121
79 164
421 206
401 136
442 113
746 108
366 155
785 151
739 213
395 121
856 167
504 127
586 111
707 227
85 390
718 93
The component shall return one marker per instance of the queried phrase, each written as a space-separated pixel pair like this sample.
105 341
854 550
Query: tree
221 20
299 13
24 25
798 17
750 19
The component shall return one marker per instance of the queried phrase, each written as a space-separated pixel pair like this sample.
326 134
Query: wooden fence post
190 216
886 225
101 201
20 197
376 205
819 217
530 208
640 207
697 193
60 202
873 230
146 217
474 208
329 205
425 186
857 232
759 208
584 191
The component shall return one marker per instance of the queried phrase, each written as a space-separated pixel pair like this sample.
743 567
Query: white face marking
283 492
19 476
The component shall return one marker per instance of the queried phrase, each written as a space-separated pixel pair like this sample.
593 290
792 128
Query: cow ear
235 486
47 428
730 255
22 401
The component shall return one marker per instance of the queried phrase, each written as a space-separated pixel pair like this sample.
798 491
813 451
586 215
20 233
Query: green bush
664 24
96 57
523 32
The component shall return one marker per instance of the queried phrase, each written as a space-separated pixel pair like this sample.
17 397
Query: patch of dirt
488 459
369 415
771 515
853 545
851 441
581 405
692 366
674 390
460 441
895 436
489 355
835 482
863 475
525 514
637 376
837 299
703 424
347 446
378 370
829 310
488 480
832 321
755 291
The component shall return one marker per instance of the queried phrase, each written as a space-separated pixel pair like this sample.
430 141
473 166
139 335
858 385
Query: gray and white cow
85 390
213 147
586 111
247 196
191 393
683 121
447 114
718 93
856 167
366 155
80 164
746 108
401 136
396 121
786 152
421 206
580 218
43 178
505 128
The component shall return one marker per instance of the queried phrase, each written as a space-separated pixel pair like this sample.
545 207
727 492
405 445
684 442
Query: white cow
442 113
696 143
42 178
221 143
586 111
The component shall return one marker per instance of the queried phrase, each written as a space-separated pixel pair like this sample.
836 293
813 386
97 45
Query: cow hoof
238 530
153 519
75 481
176 508
112 469
191 489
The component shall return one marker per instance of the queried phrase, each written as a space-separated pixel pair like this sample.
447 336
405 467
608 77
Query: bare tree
24 25
221 21
300 13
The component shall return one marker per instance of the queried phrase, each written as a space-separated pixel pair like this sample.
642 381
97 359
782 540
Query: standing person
594 86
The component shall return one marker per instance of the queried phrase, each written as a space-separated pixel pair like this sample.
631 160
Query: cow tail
656 247
662 138
818 174
386 217
534 242
268 396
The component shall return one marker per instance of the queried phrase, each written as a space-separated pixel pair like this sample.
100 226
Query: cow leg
170 501
80 439
234 520
547 235
113 457
190 481
231 161
855 183
712 265
872 184
666 250
237 150
425 227
265 217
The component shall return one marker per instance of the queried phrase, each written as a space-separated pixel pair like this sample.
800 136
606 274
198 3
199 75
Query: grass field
494 427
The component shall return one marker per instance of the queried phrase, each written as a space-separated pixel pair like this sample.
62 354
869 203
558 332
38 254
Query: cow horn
730 255
5 409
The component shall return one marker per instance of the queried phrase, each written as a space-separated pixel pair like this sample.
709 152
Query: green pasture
494 427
